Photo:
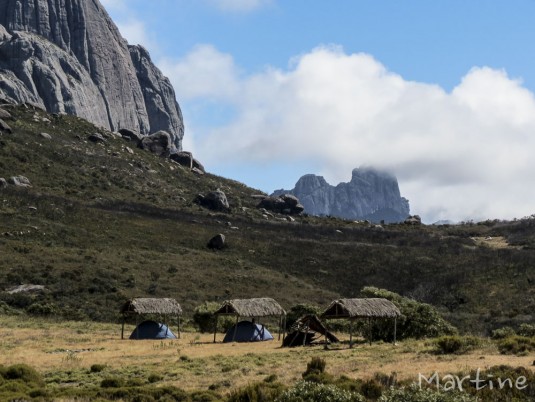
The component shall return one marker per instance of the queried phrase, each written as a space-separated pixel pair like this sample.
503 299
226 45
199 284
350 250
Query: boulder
3 183
19 181
284 204
130 135
5 115
96 138
186 159
4 127
413 220
215 200
46 136
217 242
158 143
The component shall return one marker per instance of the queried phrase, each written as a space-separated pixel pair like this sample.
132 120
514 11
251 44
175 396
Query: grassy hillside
103 222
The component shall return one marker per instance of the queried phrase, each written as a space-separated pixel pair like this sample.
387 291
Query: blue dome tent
152 330
247 331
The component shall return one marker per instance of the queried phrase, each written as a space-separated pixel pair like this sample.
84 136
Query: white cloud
464 154
204 72
135 32
239 5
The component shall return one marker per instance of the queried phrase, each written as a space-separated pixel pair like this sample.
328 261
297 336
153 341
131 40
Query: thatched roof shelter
352 309
152 306
361 308
261 307
306 330
164 307
253 308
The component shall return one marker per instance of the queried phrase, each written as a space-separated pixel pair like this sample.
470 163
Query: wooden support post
235 328
370 330
306 335
178 317
350 333
395 328
280 327
215 325
283 327
122 327
137 326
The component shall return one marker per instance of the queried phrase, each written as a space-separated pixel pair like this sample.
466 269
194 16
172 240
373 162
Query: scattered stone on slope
3 183
96 138
215 200
284 204
130 135
20 181
46 136
413 220
186 159
26 289
158 143
218 242
5 115
4 127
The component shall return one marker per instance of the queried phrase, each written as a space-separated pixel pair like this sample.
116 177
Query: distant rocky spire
370 195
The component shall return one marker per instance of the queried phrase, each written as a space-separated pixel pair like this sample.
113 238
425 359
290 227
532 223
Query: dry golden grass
68 349
498 242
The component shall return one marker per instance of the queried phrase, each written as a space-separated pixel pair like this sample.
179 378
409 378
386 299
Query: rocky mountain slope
371 195
98 222
67 56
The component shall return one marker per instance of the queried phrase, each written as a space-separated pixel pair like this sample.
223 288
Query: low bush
516 345
454 344
502 333
112 382
416 394
258 392
418 320
307 391
97 368
527 330
298 311
205 320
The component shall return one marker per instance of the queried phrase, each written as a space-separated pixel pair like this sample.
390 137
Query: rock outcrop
287 204
214 200
67 56
370 195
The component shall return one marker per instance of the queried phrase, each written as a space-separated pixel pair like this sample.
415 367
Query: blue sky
438 92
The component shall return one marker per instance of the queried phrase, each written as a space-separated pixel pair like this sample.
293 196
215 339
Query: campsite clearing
64 353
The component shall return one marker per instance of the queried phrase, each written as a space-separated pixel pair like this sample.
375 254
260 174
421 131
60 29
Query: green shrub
515 345
415 394
258 392
508 392
112 382
454 344
24 373
97 368
205 320
205 396
418 320
527 330
298 311
154 377
371 389
307 391
502 333
316 365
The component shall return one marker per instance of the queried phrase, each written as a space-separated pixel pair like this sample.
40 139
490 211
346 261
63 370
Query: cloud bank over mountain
458 154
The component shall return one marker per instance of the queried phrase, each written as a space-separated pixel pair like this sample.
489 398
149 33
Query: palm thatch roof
261 307
152 306
361 308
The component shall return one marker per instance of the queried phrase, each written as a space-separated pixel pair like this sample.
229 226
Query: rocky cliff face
67 56
370 194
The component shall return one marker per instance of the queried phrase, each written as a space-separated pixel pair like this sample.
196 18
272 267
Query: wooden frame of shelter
305 326
353 309
252 308
164 307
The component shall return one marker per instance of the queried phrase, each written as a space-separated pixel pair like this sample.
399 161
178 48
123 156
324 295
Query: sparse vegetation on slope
103 222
